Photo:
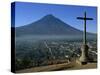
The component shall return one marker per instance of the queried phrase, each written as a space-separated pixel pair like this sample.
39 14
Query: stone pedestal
84 55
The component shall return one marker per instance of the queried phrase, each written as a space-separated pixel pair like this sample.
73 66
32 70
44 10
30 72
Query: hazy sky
26 13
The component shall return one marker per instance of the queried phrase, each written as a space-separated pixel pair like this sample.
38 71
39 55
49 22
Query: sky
26 13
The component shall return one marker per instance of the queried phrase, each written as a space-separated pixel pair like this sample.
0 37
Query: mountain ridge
48 25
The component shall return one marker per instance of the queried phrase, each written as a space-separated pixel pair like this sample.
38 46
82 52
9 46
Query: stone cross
85 18
84 56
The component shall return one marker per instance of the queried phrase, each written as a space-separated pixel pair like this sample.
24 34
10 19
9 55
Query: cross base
81 63
84 55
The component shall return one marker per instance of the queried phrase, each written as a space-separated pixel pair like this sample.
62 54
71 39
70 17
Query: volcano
47 25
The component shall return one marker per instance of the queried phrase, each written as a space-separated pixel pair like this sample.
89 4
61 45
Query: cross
85 19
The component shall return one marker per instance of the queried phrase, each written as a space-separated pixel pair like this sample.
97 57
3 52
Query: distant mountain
48 25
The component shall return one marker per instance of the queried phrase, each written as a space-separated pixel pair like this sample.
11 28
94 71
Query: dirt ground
58 67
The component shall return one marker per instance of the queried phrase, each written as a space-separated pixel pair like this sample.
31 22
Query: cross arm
89 18
81 18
